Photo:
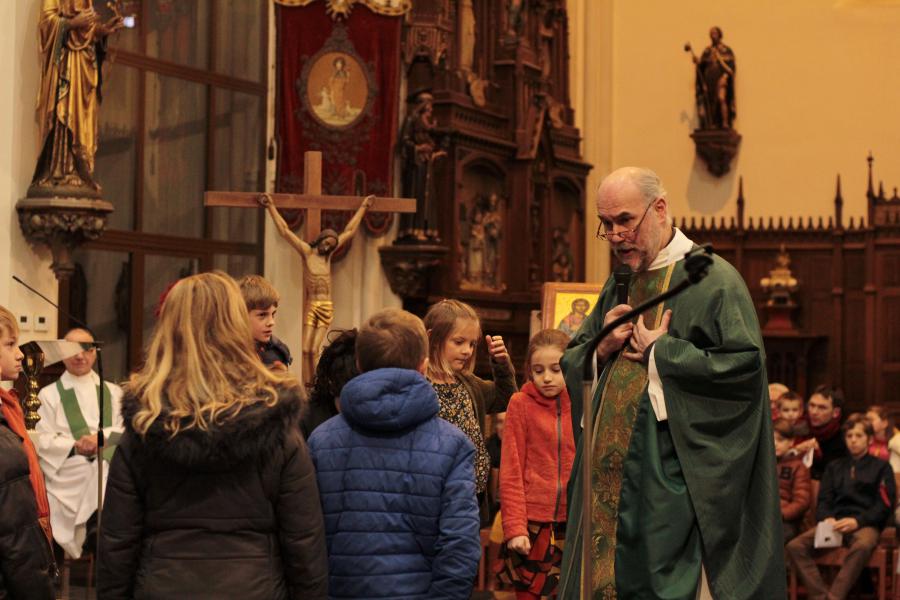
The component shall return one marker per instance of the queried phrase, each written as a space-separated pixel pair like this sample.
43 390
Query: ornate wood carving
509 194
848 315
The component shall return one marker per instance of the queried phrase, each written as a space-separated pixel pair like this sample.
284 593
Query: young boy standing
262 303
26 559
856 497
397 483
794 486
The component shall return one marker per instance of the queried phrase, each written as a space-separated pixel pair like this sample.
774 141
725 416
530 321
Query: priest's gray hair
646 180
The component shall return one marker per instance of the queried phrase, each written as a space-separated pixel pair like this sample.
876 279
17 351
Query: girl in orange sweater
538 449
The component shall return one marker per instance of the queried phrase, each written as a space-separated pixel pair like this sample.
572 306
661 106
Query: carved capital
62 224
717 148
409 267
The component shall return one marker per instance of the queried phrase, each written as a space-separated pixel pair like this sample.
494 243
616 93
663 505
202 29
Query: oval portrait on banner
337 89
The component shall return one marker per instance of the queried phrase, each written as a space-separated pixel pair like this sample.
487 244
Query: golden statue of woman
72 42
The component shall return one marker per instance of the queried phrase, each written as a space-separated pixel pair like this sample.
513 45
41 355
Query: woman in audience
211 493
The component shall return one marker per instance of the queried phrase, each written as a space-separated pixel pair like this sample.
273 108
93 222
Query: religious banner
338 86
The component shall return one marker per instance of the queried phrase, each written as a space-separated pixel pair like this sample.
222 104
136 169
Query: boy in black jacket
856 496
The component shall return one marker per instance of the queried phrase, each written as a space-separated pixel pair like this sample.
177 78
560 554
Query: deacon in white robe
67 443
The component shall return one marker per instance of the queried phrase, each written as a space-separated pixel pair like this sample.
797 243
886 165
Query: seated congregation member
396 481
776 391
67 445
794 486
335 368
211 493
262 299
856 496
886 440
823 413
26 561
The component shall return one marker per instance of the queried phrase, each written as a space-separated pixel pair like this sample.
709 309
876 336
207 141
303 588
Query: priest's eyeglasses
625 234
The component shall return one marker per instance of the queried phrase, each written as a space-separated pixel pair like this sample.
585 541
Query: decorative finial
740 202
838 204
870 191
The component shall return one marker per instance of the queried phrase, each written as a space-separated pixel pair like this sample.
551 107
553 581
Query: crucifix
318 307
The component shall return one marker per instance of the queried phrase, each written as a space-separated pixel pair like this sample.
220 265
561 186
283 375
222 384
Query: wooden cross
311 199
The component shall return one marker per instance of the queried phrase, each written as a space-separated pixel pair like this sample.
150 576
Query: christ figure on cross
318 306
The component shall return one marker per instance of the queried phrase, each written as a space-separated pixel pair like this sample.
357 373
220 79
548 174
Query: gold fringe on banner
340 9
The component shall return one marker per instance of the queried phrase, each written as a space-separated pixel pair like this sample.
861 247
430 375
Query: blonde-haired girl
453 333
212 491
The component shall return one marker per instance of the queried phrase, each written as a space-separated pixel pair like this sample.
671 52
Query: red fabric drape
367 146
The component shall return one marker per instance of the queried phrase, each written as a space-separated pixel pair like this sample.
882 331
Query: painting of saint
336 89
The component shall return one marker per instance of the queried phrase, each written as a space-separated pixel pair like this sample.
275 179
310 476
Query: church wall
814 94
20 74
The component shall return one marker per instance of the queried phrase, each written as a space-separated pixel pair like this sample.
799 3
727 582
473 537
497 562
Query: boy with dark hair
794 487
262 304
856 498
396 481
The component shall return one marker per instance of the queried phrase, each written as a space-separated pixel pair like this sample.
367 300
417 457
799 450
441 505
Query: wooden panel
888 328
888 268
854 270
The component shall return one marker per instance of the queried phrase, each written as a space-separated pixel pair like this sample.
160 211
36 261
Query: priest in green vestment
684 500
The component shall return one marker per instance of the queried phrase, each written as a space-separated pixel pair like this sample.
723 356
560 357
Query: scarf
12 411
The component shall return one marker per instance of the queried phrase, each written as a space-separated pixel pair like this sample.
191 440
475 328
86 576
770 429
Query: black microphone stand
696 263
98 456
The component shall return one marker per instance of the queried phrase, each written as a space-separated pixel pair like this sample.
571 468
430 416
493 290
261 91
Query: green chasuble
699 487
77 423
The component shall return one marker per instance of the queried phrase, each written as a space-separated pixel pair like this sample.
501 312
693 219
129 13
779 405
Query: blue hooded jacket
398 493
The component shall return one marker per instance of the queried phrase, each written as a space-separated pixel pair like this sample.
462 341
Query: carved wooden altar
505 181
848 316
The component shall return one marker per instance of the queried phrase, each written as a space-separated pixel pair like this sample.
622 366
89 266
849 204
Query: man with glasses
685 503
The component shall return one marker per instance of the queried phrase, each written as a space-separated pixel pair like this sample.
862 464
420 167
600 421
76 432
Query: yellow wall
19 72
817 88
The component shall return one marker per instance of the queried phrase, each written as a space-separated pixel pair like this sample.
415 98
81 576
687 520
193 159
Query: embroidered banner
337 93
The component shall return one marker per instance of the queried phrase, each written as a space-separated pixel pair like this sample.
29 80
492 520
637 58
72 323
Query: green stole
77 423
614 423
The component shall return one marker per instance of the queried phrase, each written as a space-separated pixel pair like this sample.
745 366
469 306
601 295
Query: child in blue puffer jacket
396 481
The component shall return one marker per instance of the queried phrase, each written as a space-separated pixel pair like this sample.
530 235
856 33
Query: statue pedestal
62 224
779 318
409 267
717 147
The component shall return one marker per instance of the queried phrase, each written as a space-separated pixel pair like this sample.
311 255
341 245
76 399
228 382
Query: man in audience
855 500
823 411
67 444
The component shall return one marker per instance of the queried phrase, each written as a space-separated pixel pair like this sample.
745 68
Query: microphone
622 275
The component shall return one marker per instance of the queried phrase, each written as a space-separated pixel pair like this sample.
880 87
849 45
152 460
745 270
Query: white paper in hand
826 536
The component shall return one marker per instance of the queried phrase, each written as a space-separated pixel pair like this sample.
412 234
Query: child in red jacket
538 449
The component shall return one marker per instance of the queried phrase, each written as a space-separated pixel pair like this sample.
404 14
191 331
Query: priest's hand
642 338
846 525
615 340
86 445
520 544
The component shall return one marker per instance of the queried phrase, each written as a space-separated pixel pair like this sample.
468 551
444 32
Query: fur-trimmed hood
257 431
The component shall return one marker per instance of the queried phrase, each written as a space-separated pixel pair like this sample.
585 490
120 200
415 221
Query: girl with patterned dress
537 455
453 333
